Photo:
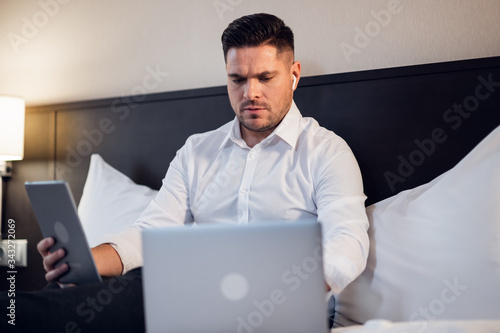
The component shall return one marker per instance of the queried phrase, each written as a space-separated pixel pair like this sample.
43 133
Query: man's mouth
253 108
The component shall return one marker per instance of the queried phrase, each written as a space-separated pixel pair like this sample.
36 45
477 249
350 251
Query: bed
426 138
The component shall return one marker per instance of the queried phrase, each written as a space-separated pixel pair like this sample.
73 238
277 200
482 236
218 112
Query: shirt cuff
339 272
128 245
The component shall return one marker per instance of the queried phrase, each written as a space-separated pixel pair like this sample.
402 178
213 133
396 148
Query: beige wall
55 51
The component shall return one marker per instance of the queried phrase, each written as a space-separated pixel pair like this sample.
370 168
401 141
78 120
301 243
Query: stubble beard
273 119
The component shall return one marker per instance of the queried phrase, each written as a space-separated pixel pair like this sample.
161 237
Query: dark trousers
115 305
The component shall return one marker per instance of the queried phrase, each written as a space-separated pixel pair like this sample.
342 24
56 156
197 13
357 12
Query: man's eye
265 79
239 80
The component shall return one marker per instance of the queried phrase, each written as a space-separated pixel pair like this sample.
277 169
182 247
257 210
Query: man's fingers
55 273
44 245
50 260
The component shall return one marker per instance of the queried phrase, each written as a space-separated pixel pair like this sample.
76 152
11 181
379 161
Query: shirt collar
287 130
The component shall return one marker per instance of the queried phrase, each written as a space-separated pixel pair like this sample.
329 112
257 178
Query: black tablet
57 217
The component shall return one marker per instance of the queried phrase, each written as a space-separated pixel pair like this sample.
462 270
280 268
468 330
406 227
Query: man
278 166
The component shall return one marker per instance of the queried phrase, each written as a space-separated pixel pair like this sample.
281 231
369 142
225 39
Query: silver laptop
226 278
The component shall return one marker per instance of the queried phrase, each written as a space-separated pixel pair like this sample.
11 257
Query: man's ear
296 74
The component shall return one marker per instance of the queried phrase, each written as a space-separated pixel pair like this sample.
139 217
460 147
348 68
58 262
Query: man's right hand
50 259
107 260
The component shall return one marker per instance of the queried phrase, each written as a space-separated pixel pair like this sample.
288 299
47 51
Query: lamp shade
11 128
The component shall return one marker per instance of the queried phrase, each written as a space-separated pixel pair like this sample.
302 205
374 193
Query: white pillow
435 249
110 201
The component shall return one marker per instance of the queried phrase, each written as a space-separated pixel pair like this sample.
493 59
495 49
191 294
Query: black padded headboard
405 125
389 117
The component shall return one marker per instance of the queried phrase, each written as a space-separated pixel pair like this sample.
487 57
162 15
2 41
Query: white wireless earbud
294 81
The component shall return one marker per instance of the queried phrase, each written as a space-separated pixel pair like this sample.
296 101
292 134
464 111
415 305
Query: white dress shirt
300 171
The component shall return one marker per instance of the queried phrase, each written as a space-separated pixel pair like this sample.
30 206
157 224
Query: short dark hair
255 30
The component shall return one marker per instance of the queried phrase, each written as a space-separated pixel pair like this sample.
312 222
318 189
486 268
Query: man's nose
252 89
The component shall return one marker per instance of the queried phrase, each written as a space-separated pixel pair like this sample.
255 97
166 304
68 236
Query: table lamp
11 136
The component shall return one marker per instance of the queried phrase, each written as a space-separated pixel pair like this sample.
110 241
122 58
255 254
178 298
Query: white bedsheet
439 326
